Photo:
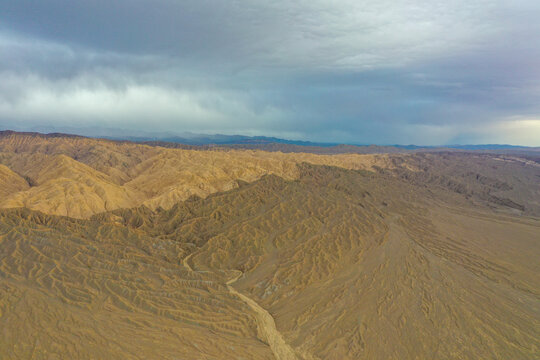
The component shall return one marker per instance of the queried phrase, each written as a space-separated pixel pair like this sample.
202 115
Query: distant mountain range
277 144
286 145
221 139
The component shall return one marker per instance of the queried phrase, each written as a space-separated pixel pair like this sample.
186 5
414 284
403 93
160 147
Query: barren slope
85 290
79 177
247 255
67 187
11 182
346 276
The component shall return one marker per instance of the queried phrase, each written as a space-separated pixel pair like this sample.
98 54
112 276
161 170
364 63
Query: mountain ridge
202 141
79 177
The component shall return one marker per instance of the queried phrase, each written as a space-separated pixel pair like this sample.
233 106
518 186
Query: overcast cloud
384 72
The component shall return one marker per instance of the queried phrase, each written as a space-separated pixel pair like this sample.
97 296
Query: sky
424 72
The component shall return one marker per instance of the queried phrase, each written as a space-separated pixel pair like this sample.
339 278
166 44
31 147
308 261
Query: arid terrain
119 250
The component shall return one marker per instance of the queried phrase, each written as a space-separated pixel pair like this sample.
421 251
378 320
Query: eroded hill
78 177
406 257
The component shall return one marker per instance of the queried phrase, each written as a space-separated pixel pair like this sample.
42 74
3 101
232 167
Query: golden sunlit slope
11 182
334 264
67 187
79 177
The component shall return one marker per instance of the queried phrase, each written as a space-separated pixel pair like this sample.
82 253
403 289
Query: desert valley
121 250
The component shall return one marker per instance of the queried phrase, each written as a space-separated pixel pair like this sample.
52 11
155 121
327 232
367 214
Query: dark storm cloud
350 71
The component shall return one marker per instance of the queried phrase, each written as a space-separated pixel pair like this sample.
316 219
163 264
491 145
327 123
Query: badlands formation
117 250
79 177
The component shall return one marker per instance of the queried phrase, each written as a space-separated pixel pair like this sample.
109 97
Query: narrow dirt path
265 322
186 264
266 325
